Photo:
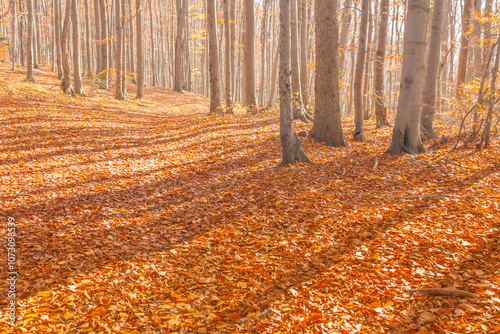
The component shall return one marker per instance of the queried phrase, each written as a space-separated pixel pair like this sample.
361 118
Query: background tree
118 51
464 45
213 59
406 131
249 53
77 75
181 6
431 71
291 147
359 132
327 126
66 79
140 51
379 80
227 56
29 46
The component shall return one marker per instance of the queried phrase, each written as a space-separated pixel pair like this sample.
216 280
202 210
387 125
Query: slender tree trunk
344 30
104 75
298 103
263 43
87 40
431 71
29 71
77 72
232 11
366 75
140 51
406 132
477 36
291 147
327 126
36 35
464 46
118 51
227 56
303 51
380 108
153 62
14 35
66 79
249 53
178 79
97 37
213 59
359 132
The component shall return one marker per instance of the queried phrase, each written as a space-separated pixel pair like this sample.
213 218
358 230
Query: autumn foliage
148 216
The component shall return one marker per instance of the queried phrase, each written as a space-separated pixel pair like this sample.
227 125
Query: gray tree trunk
227 56
179 41
29 44
66 78
303 51
380 108
464 46
291 147
359 132
104 75
406 132
140 51
97 35
327 126
14 35
77 72
249 53
213 59
87 40
118 51
431 71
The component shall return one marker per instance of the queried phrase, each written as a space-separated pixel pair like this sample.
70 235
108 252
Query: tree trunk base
359 136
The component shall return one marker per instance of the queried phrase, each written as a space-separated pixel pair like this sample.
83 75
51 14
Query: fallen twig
452 293
384 180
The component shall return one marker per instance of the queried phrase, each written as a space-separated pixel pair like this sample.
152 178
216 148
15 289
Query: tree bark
380 108
87 40
406 132
77 73
327 126
140 51
291 148
29 45
303 51
179 39
227 61
359 132
464 46
66 79
213 59
14 35
249 53
118 51
97 35
432 70
298 103
104 75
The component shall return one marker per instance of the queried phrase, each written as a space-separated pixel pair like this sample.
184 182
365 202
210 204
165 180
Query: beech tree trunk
303 51
227 56
213 59
14 35
327 126
104 75
249 53
118 51
298 103
291 147
432 70
29 44
359 132
181 18
77 71
464 46
140 51
406 132
87 40
379 80
66 79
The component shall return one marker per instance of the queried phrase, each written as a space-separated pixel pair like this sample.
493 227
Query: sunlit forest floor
148 216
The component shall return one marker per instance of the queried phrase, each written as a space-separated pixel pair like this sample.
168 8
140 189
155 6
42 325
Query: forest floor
148 216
